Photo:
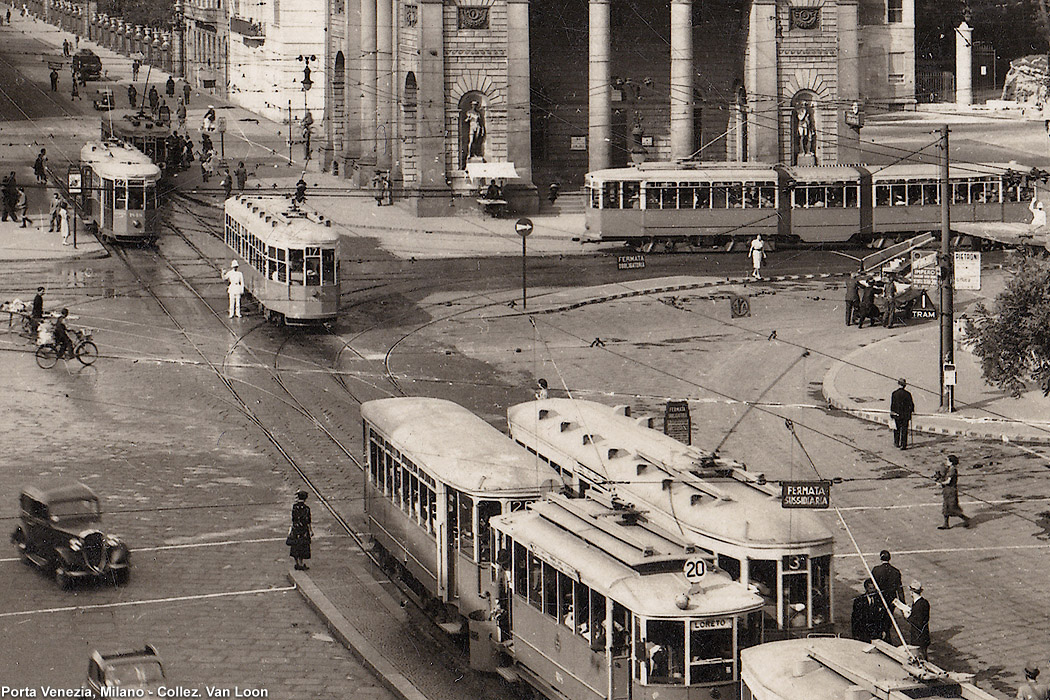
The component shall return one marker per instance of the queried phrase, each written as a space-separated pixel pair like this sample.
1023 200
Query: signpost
74 185
967 270
222 139
524 227
805 494
925 309
677 421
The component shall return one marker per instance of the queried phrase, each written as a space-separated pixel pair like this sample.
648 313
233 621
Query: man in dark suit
866 620
901 408
852 297
888 580
918 616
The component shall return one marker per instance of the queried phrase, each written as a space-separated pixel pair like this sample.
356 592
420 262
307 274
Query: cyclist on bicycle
62 341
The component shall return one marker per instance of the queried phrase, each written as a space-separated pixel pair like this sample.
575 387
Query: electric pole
946 355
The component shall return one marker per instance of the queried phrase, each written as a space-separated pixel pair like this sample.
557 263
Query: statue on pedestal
473 128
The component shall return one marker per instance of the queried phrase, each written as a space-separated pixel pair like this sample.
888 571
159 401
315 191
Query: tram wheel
46 356
87 352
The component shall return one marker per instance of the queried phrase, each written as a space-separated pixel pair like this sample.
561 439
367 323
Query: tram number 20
795 562
695 569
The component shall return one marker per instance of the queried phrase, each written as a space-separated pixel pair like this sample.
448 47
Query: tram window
381 468
711 655
729 565
428 504
795 603
977 193
836 195
960 193
581 608
566 611
631 194
413 498
550 590
1013 194
931 194
596 627
882 195
282 266
313 271
992 191
521 571
763 574
120 195
136 197
621 626
735 194
718 196
595 200
852 196
328 266
610 195
820 583
750 629
395 492
913 193
107 197
486 510
665 651
466 525
767 196
295 266
816 196
703 196
535 582
373 458
751 197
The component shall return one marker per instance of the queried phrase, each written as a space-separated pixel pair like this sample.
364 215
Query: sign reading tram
805 494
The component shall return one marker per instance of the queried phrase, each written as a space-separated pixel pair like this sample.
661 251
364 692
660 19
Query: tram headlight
75 544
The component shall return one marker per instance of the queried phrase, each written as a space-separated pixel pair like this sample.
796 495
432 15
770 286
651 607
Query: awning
492 171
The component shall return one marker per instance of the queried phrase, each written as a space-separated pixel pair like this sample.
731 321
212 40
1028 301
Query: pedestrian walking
65 47
866 618
53 212
240 173
180 114
1031 688
902 406
887 578
23 207
541 391
154 100
236 288
301 532
63 222
36 312
918 617
169 87
40 167
889 293
9 194
133 95
54 80
226 184
207 166
852 297
208 123
867 309
186 91
8 18
75 89
757 251
76 41
948 479
135 69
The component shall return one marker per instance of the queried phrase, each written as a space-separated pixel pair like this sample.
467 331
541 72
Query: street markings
149 601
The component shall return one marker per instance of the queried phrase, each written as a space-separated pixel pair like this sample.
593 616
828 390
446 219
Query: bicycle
84 349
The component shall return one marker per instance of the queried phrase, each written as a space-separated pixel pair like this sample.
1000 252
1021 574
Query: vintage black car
60 533
125 673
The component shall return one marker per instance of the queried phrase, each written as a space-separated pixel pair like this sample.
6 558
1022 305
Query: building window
472 18
894 11
896 68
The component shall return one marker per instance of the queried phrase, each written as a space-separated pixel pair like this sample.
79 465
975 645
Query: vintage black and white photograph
525 349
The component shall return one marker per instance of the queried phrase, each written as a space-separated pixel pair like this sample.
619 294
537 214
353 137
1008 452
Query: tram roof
689 172
458 448
825 668
932 171
710 495
116 161
823 173
276 223
134 123
580 538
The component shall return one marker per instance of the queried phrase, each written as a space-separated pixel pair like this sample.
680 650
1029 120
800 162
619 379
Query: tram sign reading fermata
630 262
805 494
677 421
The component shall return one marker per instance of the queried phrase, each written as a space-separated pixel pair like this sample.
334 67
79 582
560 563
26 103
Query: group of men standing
860 300
872 616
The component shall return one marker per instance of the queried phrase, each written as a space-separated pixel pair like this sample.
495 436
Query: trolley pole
946 354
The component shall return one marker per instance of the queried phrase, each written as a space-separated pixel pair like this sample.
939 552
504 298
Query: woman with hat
299 535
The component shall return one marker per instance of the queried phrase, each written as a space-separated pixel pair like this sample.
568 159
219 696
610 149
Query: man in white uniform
236 288
757 253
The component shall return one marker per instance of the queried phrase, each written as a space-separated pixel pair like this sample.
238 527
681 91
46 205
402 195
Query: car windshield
134 675
76 509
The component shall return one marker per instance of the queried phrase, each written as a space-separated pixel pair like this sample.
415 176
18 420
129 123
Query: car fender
18 536
65 555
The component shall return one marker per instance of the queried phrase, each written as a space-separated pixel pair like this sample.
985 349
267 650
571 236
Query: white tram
829 668
726 510
290 256
594 604
435 476
120 191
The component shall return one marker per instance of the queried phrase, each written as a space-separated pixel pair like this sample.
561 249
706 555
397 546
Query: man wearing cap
901 408
887 579
1031 689
236 288
918 616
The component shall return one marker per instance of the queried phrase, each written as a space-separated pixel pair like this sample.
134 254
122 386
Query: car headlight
75 544
112 541
117 556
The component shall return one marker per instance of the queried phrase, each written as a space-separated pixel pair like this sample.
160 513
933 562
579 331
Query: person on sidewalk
36 313
135 69
757 251
74 91
169 87
887 579
852 297
890 295
186 91
918 617
1031 688
207 165
54 80
227 184
154 100
866 310
948 479
9 194
133 95
208 123
235 289
40 167
63 222
301 532
180 114
23 207
902 406
240 174
55 206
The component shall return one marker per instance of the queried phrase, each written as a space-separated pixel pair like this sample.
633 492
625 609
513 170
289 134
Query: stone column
368 90
352 93
964 65
519 116
384 81
433 193
681 79
599 89
761 73
849 81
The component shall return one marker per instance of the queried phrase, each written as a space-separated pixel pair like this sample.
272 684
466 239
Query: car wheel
62 578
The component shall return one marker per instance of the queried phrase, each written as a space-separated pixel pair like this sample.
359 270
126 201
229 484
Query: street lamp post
308 119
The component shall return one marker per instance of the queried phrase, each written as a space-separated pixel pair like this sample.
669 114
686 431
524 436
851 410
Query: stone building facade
206 45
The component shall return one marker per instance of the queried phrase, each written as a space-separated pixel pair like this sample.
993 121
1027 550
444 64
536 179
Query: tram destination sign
805 494
630 262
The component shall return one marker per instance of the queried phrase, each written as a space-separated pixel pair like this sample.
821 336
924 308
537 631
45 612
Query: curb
391 678
95 255
882 416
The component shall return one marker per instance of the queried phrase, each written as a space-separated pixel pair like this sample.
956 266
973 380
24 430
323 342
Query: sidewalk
36 243
860 384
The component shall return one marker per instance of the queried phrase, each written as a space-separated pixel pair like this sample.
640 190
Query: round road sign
695 568
523 227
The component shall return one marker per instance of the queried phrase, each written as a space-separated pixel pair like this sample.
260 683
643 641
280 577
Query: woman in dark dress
301 532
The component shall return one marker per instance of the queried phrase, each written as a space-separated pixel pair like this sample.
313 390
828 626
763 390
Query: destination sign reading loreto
805 494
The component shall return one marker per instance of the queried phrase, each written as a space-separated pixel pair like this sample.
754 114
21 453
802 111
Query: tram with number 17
727 511
120 192
290 256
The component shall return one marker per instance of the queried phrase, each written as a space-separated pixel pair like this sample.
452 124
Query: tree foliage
154 13
1013 342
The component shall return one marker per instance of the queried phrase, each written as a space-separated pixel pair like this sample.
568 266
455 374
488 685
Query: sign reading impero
805 494
677 422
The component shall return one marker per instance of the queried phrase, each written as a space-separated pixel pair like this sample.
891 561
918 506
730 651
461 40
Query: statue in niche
473 130
804 129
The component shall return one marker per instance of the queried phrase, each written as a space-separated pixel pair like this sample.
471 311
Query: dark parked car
87 64
60 533
128 670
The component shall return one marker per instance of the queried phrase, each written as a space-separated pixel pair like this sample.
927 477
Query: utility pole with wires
946 353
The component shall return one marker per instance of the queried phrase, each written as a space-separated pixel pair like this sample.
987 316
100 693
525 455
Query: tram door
452 541
620 678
